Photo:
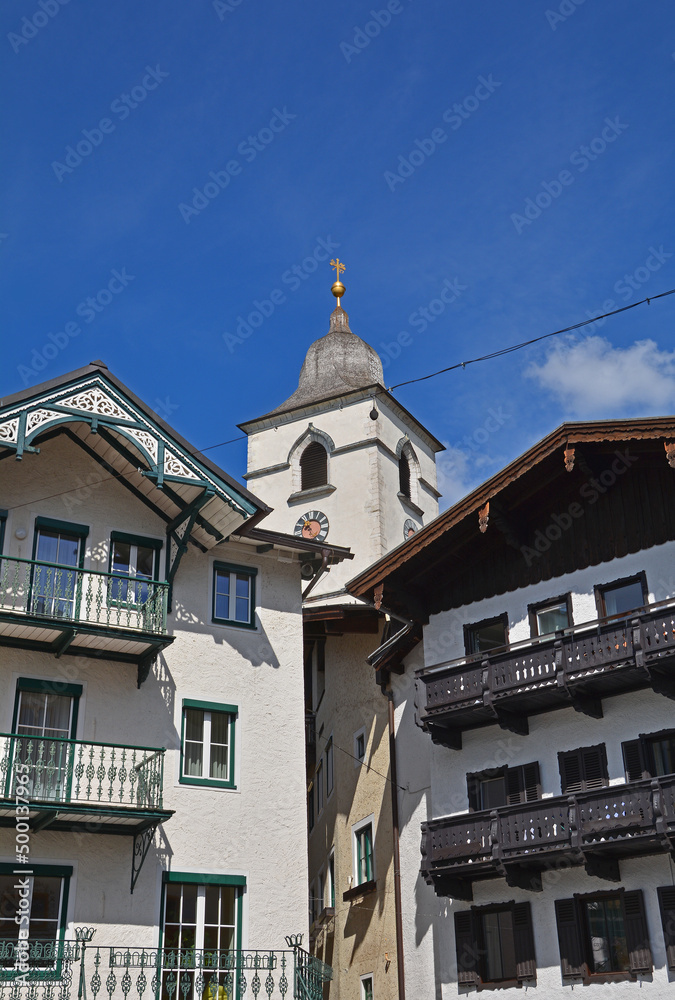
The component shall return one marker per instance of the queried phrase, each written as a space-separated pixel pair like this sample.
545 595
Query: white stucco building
535 728
152 755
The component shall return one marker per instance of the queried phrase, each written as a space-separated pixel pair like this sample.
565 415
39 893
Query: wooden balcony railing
577 666
593 828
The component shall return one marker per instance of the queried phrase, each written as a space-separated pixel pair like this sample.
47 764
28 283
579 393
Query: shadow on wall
251 644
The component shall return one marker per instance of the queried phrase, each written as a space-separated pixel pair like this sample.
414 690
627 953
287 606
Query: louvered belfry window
313 466
583 768
404 476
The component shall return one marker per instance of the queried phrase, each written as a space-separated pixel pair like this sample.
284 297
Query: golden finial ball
338 289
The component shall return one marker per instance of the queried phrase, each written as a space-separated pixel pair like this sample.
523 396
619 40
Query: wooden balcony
595 829
59 609
578 666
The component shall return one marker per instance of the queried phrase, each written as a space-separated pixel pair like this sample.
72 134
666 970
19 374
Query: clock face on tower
409 528
313 525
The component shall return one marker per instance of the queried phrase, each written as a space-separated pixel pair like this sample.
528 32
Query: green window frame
46 596
137 541
226 576
208 744
50 966
363 846
203 880
51 748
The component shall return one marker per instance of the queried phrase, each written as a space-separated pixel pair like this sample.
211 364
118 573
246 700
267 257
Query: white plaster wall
364 511
259 829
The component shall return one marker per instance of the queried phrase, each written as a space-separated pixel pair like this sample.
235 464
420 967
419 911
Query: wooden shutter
515 791
466 943
634 760
667 907
523 942
583 768
595 766
637 934
531 781
313 466
572 961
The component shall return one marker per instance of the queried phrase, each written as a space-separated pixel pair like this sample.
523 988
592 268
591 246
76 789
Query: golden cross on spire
339 268
338 289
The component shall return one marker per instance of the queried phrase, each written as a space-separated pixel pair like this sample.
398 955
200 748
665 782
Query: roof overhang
399 579
134 445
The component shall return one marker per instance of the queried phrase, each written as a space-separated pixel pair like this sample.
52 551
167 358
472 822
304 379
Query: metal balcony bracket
442 736
64 641
604 868
142 841
456 888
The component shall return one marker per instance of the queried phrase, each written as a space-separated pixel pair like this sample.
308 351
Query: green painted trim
67 526
123 536
206 782
210 706
49 687
234 568
62 871
197 878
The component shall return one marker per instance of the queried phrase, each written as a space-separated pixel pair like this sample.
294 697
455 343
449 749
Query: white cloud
591 378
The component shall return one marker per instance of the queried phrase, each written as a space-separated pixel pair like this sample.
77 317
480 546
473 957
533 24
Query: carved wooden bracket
569 459
377 593
483 517
670 452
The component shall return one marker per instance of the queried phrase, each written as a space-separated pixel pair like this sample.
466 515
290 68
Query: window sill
364 889
207 782
316 493
412 507
227 623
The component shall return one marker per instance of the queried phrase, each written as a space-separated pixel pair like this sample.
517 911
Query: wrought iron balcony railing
67 594
576 666
75 969
80 773
593 828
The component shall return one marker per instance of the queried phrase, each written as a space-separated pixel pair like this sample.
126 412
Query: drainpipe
397 857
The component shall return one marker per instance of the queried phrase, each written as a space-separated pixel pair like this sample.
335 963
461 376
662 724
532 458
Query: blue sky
564 110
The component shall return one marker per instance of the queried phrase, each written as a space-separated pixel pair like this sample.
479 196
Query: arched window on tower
404 476
313 466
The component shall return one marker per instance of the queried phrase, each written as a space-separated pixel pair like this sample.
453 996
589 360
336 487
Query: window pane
57 715
499 945
189 914
220 722
222 602
145 562
219 763
360 746
486 637
493 793
609 950
242 603
194 724
67 549
552 618
121 561
47 546
619 600
31 711
172 903
193 760
664 756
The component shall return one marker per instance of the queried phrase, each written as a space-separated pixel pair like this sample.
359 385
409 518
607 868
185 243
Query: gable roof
410 573
133 444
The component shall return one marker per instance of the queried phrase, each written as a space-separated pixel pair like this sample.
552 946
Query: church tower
341 457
